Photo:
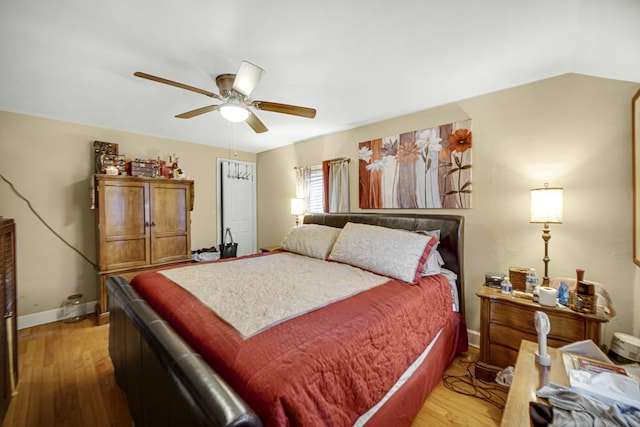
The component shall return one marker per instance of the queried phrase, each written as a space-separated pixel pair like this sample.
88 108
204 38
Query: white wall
572 131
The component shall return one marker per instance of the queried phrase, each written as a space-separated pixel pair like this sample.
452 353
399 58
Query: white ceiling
357 61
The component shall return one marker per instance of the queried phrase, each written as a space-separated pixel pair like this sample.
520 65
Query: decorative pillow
312 240
433 264
400 254
435 261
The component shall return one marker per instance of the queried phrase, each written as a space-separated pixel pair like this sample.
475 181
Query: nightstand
506 320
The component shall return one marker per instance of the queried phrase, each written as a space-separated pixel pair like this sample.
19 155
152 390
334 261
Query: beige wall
50 163
572 131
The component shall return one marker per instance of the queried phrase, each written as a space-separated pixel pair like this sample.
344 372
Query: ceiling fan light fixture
234 112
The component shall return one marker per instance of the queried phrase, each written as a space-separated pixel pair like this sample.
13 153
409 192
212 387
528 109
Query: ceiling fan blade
197 112
176 84
255 123
285 108
247 78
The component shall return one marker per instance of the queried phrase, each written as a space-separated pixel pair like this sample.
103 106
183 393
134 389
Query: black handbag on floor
228 249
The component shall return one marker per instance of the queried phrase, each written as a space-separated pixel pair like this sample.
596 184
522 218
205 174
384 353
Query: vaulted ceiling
356 62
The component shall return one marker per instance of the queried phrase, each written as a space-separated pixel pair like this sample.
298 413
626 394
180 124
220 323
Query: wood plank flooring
66 379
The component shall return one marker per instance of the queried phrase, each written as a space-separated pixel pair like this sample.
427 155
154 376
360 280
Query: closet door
237 203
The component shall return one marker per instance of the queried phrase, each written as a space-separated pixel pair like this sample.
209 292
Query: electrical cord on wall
45 223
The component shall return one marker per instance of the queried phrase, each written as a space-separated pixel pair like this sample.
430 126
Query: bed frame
168 384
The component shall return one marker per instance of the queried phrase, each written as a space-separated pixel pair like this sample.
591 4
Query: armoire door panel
126 214
170 226
126 253
169 209
170 248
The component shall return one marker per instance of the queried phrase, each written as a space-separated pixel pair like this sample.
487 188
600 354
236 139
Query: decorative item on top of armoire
427 168
106 157
8 330
142 223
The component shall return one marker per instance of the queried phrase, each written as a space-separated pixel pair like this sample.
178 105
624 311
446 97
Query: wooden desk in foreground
527 379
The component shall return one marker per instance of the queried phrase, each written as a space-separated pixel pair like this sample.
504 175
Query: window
315 199
310 187
325 187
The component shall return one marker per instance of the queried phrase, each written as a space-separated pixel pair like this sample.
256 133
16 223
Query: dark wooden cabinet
142 223
506 320
8 329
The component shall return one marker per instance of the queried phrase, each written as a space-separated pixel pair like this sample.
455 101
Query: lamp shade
247 78
546 205
297 206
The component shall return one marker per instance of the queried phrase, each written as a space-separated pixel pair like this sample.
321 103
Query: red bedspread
326 367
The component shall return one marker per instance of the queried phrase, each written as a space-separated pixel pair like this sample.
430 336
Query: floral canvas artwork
427 168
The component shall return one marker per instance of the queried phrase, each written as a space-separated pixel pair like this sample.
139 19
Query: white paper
586 348
607 387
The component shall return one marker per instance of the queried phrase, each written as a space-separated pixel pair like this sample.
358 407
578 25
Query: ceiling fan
235 91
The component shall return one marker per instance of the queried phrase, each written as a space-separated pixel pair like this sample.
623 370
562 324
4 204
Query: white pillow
433 264
432 233
397 253
313 240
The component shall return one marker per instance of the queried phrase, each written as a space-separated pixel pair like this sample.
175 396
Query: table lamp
297 209
546 208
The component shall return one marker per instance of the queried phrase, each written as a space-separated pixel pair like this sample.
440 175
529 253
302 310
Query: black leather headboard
451 228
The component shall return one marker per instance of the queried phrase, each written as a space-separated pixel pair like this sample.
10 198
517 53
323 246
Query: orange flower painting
427 168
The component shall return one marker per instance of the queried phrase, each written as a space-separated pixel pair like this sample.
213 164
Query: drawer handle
531 323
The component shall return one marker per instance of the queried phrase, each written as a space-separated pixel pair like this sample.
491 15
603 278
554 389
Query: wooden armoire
142 223
8 329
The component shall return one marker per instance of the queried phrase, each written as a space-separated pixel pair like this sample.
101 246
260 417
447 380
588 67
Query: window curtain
302 182
336 185
309 187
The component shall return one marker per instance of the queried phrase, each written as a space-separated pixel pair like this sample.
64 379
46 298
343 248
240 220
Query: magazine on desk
574 361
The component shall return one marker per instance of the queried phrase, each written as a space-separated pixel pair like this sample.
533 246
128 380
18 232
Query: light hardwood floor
66 379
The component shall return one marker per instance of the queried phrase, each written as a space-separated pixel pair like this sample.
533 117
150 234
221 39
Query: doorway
237 203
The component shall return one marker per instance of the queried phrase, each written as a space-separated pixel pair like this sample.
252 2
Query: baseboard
474 338
36 319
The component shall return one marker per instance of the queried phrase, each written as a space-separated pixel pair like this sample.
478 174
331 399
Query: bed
366 356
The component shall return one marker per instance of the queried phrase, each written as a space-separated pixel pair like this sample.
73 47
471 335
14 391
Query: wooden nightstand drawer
502 356
520 317
509 337
504 343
